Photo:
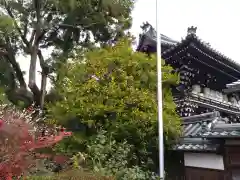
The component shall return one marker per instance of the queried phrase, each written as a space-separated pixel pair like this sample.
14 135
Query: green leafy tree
115 88
29 27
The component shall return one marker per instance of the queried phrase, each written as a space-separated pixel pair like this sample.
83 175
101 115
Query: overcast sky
217 22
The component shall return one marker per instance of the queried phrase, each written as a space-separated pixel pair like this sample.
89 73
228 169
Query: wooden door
232 162
192 173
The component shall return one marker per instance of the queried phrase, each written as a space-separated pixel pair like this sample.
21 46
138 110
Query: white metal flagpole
159 93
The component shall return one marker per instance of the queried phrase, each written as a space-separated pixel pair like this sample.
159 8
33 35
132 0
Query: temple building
208 100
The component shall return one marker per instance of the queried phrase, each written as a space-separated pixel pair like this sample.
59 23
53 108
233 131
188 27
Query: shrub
108 157
20 136
73 174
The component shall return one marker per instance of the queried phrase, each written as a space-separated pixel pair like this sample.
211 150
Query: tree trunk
43 90
32 75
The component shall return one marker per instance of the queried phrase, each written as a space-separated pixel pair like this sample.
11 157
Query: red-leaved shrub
21 134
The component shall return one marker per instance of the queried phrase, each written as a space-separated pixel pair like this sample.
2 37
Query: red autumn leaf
19 138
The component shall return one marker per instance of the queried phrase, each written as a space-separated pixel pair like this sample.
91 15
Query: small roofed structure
193 129
210 147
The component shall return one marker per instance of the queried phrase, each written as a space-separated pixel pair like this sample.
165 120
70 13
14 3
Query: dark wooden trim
232 142
200 151
195 173
227 174
204 168
231 153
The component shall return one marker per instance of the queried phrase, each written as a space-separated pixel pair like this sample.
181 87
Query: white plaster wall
204 160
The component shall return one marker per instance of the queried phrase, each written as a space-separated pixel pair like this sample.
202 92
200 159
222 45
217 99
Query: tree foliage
115 88
28 27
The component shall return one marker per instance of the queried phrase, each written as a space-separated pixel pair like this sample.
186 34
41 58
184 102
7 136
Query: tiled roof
167 40
206 46
194 126
203 132
151 33
198 44
196 144
226 134
151 36
205 49
196 147
223 130
209 125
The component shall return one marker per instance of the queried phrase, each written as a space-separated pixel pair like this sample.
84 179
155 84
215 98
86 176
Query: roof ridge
207 45
233 64
152 33
202 116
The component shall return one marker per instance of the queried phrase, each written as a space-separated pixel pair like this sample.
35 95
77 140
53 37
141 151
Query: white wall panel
204 160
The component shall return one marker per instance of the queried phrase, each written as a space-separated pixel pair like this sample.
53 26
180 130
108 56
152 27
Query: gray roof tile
224 134
194 126
195 144
196 147
202 132
209 125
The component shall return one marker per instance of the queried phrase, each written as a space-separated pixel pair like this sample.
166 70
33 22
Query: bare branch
76 27
41 59
14 63
25 29
32 36
37 6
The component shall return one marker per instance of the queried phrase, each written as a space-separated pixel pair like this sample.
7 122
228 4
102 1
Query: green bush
108 157
73 174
